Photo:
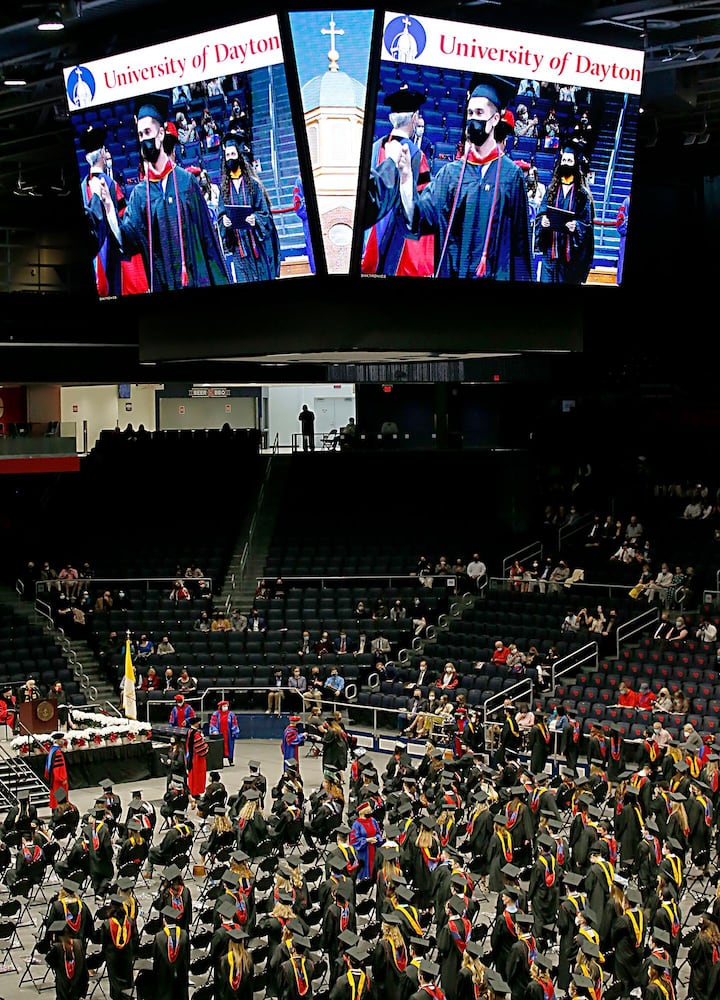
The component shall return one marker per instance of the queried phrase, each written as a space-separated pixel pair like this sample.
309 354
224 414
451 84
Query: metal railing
101 583
524 689
573 661
636 625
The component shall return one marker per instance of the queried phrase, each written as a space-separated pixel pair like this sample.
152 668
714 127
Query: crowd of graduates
462 872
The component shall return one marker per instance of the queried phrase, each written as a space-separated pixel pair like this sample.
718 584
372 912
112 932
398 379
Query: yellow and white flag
128 692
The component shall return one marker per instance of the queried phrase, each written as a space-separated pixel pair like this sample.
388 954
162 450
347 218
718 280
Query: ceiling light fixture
51 20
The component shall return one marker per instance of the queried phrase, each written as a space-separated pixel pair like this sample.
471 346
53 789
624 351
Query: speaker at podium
38 716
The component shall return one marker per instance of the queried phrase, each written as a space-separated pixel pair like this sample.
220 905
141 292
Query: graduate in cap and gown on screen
565 220
249 234
387 247
475 206
166 219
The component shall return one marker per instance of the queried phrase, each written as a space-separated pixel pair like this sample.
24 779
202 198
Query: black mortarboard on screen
344 890
348 938
392 917
60 794
300 942
420 945
58 926
510 891
429 969
662 937
93 137
153 106
404 893
543 961
237 934
573 880
512 871
170 914
227 907
457 905
404 100
525 919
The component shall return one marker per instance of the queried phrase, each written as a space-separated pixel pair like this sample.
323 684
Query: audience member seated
664 701
334 685
179 592
680 703
645 698
297 686
627 698
185 682
449 679
499 654
165 647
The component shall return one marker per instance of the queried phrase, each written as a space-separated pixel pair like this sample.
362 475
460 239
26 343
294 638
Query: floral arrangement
88 730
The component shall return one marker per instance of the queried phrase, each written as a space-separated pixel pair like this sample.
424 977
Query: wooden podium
39 716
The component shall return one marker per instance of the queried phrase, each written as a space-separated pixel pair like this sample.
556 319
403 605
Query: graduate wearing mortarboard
475 206
568 246
166 220
387 249
253 241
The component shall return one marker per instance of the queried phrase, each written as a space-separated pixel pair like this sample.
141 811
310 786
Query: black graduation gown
182 904
343 990
101 856
646 866
224 989
628 831
628 956
449 955
251 834
502 938
518 970
573 744
77 914
288 981
703 974
496 860
119 952
522 833
478 841
337 919
567 931
69 985
539 749
172 971
388 977
699 839
544 898
597 889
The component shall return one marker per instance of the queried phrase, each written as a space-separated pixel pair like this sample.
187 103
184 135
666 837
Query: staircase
80 660
17 776
248 561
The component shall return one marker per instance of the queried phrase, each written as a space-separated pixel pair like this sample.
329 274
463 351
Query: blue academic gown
177 207
233 730
567 257
490 209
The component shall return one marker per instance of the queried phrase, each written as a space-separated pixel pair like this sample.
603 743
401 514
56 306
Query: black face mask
232 165
567 173
149 150
476 130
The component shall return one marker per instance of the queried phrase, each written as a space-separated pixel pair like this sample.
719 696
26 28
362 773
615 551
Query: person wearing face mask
388 248
248 231
166 220
476 206
566 218
113 274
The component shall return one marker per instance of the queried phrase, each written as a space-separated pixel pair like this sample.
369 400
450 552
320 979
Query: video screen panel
499 155
332 53
189 173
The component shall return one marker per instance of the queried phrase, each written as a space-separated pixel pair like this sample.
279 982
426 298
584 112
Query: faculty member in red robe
55 769
196 751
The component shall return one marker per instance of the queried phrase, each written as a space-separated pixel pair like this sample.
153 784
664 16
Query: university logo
80 87
405 38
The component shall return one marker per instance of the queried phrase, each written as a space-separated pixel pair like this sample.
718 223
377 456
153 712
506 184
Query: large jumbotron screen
498 154
188 161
